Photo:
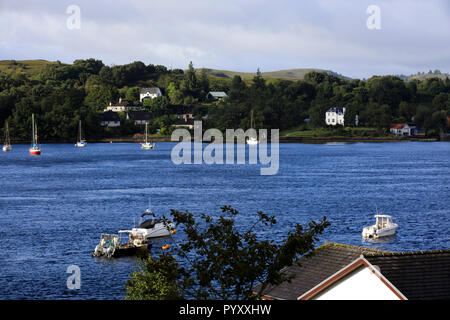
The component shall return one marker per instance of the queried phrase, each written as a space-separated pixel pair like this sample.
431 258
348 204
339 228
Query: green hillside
28 67
290 74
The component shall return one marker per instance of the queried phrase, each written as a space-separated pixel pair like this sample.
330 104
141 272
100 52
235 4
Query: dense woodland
60 95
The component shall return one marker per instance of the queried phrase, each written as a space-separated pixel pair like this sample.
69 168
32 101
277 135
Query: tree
132 94
258 81
158 106
220 262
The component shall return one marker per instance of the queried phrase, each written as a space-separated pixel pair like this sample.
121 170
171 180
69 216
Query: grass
290 74
30 68
306 133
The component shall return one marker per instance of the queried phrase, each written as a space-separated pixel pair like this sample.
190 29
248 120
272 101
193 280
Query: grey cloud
237 35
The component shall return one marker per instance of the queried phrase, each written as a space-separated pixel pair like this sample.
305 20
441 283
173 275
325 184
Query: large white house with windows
149 93
335 116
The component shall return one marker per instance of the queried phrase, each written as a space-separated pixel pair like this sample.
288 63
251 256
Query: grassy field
291 74
304 132
30 68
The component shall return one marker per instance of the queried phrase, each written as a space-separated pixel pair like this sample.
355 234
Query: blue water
54 207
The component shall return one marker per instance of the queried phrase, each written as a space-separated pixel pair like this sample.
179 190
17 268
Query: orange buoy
165 247
173 231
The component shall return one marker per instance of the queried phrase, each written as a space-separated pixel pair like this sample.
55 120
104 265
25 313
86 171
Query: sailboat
252 140
35 149
7 145
147 145
81 142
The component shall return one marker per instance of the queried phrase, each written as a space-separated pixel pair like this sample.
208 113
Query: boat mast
146 133
32 129
80 131
35 130
7 140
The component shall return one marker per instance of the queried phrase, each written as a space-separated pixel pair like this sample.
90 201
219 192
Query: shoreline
316 140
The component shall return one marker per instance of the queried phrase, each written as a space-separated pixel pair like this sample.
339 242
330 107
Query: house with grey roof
109 119
343 272
140 117
216 95
149 93
335 116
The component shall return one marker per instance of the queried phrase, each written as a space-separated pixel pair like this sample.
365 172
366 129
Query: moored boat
147 145
151 228
383 227
110 246
35 149
81 142
252 140
7 145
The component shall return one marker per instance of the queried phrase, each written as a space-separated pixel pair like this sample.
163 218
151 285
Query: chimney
120 99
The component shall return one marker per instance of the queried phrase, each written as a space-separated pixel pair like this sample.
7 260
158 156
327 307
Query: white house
402 129
123 106
335 116
149 93
344 272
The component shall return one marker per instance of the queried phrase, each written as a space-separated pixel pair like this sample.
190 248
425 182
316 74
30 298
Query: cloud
236 35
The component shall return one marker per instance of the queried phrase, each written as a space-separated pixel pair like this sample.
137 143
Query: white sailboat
252 140
7 145
81 142
35 149
147 145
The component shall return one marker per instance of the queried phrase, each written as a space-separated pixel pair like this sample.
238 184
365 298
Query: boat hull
147 146
126 250
7 148
159 231
35 152
373 233
80 144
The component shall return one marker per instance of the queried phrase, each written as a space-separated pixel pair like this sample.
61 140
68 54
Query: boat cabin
383 221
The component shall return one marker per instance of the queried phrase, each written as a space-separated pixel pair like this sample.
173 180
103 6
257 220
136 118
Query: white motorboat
383 227
150 228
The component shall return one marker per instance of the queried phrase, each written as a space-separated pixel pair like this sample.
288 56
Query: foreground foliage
217 261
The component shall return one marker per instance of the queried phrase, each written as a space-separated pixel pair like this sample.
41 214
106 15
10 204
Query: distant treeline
60 95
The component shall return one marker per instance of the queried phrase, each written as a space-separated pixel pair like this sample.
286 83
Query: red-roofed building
402 129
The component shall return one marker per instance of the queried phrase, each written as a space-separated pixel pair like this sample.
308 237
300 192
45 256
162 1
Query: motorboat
383 227
111 246
151 228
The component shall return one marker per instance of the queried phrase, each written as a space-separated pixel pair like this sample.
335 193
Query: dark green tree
220 261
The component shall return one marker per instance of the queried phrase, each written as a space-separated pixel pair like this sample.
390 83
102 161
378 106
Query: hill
290 74
28 67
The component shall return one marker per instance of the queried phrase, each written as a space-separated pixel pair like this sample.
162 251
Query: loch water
54 207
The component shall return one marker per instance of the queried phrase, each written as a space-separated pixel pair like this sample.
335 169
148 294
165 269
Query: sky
237 35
